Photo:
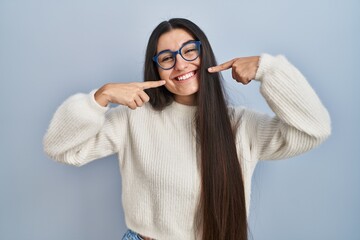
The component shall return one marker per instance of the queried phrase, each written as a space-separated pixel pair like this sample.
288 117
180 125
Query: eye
190 50
166 57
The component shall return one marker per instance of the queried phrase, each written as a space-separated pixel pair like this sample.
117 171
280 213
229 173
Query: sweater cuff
95 105
265 64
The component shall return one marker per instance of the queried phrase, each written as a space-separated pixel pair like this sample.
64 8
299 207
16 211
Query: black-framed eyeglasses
189 52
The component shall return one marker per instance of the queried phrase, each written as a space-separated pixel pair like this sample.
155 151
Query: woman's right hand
128 94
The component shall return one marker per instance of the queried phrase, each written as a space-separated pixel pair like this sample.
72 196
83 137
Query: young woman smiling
186 157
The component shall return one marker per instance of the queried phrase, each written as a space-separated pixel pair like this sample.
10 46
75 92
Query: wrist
102 96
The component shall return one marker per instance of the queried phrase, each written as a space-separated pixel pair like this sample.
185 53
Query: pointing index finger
152 84
222 67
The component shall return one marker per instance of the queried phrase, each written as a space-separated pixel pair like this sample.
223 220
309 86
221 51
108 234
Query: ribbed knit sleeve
301 121
81 131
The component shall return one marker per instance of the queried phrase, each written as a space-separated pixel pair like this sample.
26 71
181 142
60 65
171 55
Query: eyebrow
165 50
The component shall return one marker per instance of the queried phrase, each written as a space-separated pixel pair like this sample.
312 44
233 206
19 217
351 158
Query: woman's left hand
243 68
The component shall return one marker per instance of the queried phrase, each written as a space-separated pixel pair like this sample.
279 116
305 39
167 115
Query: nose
180 64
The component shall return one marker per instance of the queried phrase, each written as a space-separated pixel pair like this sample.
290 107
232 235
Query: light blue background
51 49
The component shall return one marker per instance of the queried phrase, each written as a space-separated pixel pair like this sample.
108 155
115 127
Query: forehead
173 40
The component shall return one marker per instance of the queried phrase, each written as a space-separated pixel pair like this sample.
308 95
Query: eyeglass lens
189 52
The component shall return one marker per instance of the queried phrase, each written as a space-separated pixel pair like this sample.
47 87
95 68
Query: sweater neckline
182 107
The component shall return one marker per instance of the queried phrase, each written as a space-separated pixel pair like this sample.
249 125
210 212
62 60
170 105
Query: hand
128 94
243 69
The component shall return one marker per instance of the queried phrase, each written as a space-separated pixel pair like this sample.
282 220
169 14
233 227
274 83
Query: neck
186 100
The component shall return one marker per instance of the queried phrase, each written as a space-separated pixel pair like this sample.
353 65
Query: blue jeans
131 235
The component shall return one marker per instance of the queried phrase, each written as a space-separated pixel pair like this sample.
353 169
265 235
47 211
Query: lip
179 81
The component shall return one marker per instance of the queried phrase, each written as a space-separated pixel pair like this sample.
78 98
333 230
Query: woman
186 158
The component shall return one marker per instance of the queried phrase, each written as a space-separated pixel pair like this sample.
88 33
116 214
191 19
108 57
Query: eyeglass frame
174 53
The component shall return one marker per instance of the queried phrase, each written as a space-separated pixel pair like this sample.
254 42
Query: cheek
198 63
164 75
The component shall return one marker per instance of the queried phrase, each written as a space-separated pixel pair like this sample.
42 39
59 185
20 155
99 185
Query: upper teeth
186 76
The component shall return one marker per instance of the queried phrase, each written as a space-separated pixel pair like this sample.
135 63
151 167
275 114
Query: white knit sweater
157 150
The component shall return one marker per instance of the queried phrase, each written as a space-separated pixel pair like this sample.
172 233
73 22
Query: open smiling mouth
185 76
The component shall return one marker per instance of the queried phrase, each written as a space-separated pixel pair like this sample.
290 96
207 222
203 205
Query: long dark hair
222 206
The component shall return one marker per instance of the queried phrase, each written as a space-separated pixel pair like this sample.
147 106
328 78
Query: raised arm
301 121
84 129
